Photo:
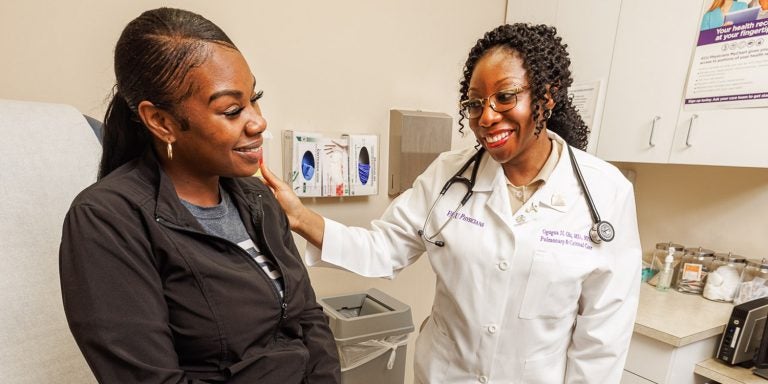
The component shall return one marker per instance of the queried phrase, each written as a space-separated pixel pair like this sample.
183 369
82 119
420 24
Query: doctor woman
523 295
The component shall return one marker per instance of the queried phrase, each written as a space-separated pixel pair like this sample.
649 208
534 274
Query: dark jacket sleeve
323 364
323 357
113 298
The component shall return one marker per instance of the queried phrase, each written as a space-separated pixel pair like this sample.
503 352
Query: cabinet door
651 54
631 378
536 12
734 137
588 27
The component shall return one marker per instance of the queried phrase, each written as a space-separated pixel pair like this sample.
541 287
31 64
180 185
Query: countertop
679 319
726 374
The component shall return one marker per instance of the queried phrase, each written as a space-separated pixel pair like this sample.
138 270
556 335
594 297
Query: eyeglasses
500 101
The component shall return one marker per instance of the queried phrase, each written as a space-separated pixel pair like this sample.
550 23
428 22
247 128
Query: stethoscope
599 232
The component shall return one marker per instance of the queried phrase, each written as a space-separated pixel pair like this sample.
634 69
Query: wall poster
729 68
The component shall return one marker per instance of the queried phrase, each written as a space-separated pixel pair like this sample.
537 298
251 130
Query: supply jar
693 270
724 277
657 262
753 282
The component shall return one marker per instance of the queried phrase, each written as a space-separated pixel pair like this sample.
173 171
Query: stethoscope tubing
580 178
599 231
457 177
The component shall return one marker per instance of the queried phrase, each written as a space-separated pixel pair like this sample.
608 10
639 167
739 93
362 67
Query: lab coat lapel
491 179
561 190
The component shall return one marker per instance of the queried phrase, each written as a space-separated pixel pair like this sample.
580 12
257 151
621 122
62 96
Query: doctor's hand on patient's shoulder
303 220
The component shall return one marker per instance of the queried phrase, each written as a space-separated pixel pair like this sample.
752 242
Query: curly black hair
546 61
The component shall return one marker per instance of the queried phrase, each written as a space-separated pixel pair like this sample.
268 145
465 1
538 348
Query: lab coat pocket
545 370
429 362
552 290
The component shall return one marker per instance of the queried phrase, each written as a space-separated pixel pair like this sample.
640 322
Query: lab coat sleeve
608 302
390 245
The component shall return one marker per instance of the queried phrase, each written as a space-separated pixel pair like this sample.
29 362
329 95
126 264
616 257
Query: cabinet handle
690 127
653 127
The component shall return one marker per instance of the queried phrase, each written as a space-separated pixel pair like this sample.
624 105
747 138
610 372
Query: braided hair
153 56
546 62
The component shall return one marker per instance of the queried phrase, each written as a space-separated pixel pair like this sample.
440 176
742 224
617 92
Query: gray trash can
371 331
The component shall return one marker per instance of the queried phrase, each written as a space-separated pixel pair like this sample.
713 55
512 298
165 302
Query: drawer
631 378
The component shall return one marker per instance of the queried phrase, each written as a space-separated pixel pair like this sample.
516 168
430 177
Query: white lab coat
520 297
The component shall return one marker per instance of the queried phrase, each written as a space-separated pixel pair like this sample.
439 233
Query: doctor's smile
498 139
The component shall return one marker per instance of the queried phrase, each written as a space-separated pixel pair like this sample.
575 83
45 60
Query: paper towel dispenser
415 140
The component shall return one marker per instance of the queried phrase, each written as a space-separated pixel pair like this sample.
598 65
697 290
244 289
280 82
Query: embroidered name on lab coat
565 238
463 217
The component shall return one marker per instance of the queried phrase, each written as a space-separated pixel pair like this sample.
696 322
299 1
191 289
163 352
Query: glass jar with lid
693 270
724 277
753 283
657 261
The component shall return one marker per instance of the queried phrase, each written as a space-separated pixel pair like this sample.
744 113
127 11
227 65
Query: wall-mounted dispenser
415 140
334 157
324 164
363 164
301 162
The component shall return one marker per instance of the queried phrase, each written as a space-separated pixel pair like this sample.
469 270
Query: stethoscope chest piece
601 231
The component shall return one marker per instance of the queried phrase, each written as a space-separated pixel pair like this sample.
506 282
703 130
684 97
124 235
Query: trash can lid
366 315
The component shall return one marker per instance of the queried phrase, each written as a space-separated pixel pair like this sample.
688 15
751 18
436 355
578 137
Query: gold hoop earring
169 150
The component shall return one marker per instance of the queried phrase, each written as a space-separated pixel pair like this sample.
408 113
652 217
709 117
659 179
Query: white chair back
48 153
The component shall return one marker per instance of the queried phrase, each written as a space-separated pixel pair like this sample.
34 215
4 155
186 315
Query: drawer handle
690 127
653 128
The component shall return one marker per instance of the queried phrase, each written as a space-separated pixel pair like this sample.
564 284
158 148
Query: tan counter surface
679 319
726 374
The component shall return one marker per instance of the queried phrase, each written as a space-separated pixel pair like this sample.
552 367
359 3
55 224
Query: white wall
721 208
334 66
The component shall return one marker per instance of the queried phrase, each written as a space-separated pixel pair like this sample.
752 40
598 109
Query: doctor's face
507 136
223 134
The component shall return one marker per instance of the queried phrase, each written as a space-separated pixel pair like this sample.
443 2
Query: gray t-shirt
224 221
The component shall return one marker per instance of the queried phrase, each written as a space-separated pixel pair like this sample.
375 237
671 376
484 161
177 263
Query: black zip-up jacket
151 298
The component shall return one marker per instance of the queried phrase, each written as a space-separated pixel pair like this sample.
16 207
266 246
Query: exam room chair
48 153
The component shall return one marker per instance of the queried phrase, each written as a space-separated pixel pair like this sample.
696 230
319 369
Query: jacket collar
557 192
167 205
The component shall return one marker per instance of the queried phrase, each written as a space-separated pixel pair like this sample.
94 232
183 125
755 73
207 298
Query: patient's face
225 123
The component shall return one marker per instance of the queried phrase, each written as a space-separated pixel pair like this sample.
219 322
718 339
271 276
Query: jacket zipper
259 214
242 252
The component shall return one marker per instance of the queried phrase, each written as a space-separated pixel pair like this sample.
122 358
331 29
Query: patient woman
177 266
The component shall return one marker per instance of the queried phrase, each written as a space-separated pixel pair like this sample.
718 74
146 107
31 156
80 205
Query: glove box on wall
324 165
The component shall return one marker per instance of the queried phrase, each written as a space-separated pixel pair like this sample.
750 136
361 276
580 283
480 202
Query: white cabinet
650 62
668 342
588 28
733 137
643 118
631 378
660 363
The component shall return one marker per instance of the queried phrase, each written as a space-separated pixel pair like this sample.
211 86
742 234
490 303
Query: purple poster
730 64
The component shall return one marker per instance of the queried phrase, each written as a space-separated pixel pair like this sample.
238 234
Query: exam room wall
326 66
720 208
